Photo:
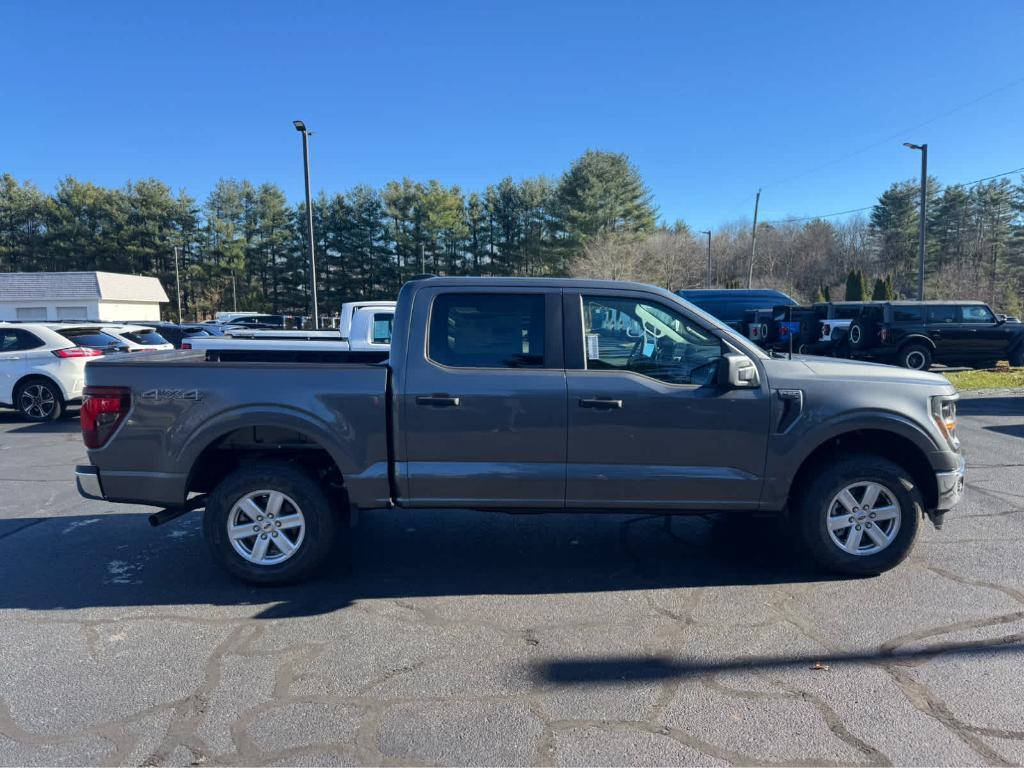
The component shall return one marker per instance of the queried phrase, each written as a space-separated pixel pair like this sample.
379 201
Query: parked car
511 394
251 319
138 338
41 370
175 333
734 306
916 334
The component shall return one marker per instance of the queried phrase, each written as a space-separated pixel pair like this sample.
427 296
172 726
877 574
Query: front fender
787 453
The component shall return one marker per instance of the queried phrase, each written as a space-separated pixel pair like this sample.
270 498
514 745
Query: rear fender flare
917 338
264 416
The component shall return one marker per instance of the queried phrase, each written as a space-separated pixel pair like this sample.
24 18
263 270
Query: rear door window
907 315
942 314
487 330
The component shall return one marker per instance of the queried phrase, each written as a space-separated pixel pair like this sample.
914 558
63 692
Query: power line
899 134
794 219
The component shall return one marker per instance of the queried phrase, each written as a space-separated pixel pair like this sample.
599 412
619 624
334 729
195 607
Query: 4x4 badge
171 394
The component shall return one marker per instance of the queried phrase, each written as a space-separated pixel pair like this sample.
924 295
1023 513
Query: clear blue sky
710 100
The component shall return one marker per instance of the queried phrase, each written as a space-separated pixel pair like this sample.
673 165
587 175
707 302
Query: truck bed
183 403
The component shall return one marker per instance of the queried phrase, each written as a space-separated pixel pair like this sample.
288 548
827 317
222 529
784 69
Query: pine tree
603 193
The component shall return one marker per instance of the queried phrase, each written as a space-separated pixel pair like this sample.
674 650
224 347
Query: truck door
483 400
649 427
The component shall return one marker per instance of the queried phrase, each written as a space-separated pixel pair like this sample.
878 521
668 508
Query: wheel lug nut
263 535
278 523
858 528
872 515
868 525
851 518
259 517
274 534
255 527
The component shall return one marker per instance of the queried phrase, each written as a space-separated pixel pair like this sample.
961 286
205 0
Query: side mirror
738 372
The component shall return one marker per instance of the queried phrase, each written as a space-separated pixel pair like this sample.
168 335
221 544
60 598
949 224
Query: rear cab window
487 330
381 328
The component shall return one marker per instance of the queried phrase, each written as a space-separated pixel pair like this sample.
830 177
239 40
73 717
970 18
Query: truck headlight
944 413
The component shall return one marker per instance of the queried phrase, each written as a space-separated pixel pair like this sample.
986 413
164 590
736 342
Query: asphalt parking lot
471 638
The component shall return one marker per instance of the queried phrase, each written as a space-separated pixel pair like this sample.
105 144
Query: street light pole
708 233
177 282
753 242
923 216
301 128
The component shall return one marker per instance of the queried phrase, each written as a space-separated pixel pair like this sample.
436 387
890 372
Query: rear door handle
438 401
597 402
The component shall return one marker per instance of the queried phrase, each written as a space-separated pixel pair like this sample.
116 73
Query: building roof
88 286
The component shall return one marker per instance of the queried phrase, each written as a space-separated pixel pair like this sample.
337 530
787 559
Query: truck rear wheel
269 523
858 516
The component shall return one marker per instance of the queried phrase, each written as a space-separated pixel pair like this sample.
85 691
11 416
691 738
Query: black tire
917 357
1017 356
303 490
861 335
813 509
39 399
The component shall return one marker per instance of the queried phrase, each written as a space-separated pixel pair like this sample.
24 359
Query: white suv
41 371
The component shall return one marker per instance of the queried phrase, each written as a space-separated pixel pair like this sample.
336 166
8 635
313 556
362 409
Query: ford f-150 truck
526 394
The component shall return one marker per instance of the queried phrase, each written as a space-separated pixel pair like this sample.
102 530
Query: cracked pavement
464 638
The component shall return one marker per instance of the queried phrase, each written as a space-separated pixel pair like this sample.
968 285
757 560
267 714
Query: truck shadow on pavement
117 560
991 406
66 424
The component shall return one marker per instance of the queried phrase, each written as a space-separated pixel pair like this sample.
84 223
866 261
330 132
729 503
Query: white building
39 296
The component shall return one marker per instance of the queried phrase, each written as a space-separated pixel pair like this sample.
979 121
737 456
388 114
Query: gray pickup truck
526 394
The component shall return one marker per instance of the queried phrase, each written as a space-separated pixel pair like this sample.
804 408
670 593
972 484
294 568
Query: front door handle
597 402
438 401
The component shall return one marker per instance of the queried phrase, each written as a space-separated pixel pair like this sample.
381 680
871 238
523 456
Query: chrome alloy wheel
266 527
37 401
863 518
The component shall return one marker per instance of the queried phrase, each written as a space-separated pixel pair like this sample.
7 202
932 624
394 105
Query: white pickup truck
364 332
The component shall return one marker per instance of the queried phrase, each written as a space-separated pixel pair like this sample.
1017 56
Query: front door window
649 339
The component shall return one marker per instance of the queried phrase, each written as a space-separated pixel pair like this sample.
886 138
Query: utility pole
753 242
234 293
177 282
301 128
708 233
923 216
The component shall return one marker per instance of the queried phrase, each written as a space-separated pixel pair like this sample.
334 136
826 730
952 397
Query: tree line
245 246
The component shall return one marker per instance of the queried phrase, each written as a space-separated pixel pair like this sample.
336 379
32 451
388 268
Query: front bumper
950 487
87 478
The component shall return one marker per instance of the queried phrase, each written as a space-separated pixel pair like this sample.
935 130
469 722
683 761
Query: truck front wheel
858 516
269 523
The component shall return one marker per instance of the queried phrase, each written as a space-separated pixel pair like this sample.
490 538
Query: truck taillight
103 410
78 352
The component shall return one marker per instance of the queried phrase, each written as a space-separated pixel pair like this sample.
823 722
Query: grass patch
988 379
